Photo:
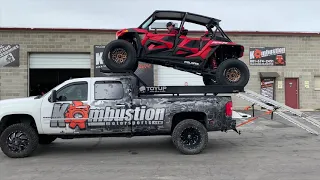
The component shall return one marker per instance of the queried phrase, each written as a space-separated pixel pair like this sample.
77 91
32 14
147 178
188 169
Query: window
191 26
73 92
317 83
147 23
162 24
108 90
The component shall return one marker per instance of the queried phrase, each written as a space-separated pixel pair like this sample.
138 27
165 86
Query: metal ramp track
263 104
273 102
281 106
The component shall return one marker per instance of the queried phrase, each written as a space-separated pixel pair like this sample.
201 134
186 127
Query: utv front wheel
233 72
120 55
19 140
190 137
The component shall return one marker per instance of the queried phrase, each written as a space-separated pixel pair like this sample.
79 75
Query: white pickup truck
111 106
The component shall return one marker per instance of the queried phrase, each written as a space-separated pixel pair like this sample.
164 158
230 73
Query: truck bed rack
144 89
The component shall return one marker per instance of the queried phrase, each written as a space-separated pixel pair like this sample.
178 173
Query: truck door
70 113
110 107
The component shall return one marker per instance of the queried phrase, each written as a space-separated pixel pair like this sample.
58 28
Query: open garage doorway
43 80
47 70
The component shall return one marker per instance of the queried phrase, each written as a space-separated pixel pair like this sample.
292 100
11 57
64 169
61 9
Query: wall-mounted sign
144 71
9 55
280 84
267 88
267 56
306 84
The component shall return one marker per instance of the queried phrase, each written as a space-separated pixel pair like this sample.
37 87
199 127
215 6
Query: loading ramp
281 110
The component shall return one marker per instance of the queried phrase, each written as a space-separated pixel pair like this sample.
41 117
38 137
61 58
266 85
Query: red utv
213 55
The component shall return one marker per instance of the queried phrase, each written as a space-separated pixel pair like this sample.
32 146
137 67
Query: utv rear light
229 108
242 51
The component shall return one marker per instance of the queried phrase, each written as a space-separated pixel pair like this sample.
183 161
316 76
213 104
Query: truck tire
120 55
19 140
190 131
46 139
233 72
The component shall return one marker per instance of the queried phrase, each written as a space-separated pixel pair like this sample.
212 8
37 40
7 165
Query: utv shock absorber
214 64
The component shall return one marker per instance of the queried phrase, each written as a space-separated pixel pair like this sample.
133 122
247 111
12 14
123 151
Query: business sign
9 55
144 71
267 88
267 56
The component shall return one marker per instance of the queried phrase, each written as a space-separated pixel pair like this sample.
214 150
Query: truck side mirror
54 96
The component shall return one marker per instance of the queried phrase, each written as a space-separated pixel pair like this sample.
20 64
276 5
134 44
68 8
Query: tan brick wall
14 81
302 57
302 54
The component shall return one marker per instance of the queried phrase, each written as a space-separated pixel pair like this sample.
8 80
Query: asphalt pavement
266 149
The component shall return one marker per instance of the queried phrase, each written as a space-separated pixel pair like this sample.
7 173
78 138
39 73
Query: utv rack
144 89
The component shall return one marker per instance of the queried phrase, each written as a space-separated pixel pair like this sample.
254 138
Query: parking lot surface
266 149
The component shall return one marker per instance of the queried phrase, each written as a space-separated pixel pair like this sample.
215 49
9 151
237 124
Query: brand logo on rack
152 89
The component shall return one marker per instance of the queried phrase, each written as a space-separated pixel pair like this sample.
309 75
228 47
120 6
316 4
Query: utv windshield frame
208 22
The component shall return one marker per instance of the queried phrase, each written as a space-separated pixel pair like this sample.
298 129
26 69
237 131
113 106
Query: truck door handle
120 105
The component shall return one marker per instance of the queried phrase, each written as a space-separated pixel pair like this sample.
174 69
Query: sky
235 15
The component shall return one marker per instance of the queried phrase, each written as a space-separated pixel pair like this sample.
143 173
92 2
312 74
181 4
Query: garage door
172 77
59 61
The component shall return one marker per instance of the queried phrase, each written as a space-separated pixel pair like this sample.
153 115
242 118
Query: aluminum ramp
279 109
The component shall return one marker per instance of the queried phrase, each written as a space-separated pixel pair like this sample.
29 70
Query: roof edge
292 33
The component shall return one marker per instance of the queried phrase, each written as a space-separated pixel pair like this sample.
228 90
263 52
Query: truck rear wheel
190 137
19 140
120 55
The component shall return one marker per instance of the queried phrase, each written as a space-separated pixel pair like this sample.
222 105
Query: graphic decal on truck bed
139 115
83 116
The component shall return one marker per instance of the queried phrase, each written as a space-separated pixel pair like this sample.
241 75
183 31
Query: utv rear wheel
120 55
19 141
233 72
190 137
207 80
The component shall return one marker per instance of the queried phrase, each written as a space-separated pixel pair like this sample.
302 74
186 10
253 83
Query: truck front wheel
19 140
190 137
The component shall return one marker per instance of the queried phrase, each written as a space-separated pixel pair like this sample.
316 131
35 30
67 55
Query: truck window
73 92
108 90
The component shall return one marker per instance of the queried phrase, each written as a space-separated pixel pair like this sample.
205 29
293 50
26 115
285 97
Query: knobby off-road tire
120 55
207 80
46 139
233 72
19 135
183 132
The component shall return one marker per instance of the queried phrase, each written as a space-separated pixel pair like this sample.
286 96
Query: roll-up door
59 61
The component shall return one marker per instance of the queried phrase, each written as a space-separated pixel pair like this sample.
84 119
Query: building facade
289 71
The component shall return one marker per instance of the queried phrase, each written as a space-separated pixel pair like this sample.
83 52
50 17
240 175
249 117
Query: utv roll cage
208 22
